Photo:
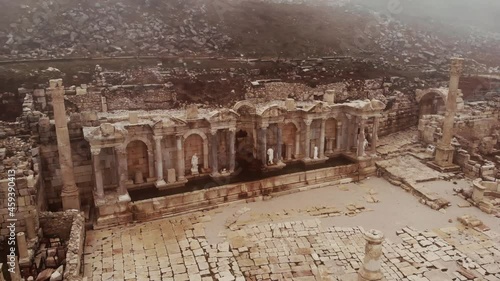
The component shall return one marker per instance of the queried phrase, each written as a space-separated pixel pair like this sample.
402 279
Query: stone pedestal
478 191
170 175
138 178
371 269
113 210
194 171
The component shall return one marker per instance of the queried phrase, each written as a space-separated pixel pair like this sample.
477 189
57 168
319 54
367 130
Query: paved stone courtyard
238 243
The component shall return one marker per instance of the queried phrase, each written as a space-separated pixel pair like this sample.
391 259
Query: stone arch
431 101
138 161
244 108
204 146
273 110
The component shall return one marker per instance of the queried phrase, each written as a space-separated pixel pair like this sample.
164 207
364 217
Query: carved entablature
365 108
318 108
223 115
166 122
106 135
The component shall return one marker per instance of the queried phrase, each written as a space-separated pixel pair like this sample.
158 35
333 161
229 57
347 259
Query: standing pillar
371 269
181 174
160 181
444 150
322 139
99 187
69 194
30 222
263 144
121 159
347 133
339 136
297 144
214 148
361 137
279 152
22 247
232 152
307 141
376 122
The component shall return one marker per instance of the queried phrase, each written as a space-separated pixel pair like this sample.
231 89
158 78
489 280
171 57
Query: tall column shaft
215 150
232 152
70 194
99 186
339 136
361 138
279 152
307 141
263 144
376 122
160 181
180 159
451 102
322 139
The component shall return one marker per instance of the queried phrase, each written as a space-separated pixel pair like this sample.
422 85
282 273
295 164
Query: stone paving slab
177 249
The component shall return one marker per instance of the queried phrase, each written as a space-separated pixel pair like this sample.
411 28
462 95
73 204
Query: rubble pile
15 154
113 28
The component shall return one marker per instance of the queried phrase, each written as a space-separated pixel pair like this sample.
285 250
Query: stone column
444 150
99 187
214 146
263 144
232 152
30 227
339 136
307 141
121 159
376 121
22 247
347 133
289 151
361 137
297 144
371 269
322 139
160 181
69 194
279 152
181 174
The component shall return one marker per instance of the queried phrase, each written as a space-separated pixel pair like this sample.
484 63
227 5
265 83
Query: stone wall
86 102
209 198
69 226
401 113
140 98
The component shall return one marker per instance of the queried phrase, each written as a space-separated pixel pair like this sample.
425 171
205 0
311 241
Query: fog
483 14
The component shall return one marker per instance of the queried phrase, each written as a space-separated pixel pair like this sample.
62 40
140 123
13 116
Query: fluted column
376 122
279 135
322 139
361 137
263 144
214 146
232 152
160 181
69 194
99 187
181 174
307 142
121 159
371 269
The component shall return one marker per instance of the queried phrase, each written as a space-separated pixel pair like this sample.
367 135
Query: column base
160 184
370 276
70 200
444 156
124 198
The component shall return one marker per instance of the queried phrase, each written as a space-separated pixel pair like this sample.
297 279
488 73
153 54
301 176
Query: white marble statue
365 144
270 155
194 164
315 155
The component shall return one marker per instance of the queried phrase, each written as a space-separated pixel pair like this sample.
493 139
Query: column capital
157 137
308 122
232 130
264 126
213 131
120 149
95 151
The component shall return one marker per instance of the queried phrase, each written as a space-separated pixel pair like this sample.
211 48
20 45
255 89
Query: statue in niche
194 164
270 156
365 144
315 154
